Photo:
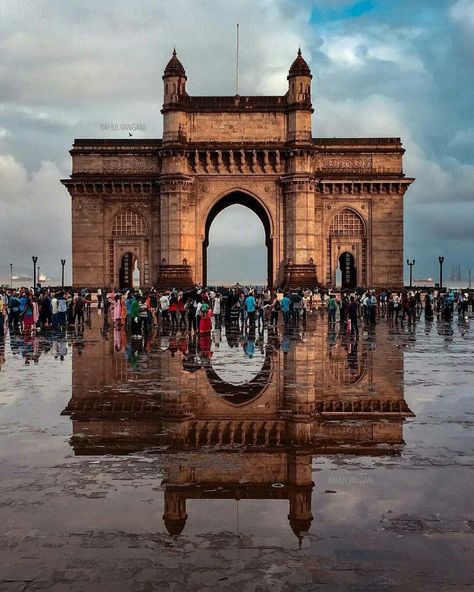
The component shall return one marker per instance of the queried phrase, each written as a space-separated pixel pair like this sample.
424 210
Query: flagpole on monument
237 64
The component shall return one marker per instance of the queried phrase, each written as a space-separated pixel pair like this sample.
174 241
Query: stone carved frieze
232 162
338 164
130 164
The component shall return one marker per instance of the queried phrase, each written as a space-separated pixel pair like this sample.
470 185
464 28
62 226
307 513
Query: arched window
347 223
128 223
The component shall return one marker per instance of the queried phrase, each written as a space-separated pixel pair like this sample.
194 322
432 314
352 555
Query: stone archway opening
239 199
348 271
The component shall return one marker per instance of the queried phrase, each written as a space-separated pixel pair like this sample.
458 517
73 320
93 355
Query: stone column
299 191
176 232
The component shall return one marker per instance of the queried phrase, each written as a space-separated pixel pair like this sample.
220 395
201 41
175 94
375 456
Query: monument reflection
237 416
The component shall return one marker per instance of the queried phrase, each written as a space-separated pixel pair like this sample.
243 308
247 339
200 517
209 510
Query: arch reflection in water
311 393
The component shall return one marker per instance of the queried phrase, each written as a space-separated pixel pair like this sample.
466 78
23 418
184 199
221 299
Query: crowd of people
199 310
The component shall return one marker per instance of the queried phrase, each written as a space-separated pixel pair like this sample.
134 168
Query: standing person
242 310
216 309
153 304
117 312
182 311
372 308
295 299
352 316
3 310
428 306
275 308
191 310
199 305
79 306
205 323
128 307
173 309
99 298
260 302
332 306
70 309
164 308
412 308
135 317
418 303
28 317
304 308
389 306
250 306
54 311
143 316
405 305
396 306
285 308
14 311
62 312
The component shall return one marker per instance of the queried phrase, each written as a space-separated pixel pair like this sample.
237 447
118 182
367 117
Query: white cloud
462 11
36 214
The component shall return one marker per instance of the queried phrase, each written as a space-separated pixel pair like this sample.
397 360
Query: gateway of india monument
332 208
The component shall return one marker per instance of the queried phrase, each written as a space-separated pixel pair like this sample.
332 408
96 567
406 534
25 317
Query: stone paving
301 461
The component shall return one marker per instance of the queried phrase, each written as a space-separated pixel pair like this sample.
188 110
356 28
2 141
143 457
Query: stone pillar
301 366
175 515
300 232
176 232
300 488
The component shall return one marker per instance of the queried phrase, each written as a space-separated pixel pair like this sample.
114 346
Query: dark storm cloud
380 68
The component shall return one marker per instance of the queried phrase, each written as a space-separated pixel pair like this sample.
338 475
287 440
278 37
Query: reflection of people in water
60 348
2 352
352 357
285 344
132 353
232 335
249 346
205 343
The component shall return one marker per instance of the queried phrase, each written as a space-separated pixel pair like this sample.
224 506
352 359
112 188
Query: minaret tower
174 79
177 225
299 98
299 182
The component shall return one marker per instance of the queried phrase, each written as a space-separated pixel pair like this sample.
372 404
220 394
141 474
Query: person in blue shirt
285 308
250 306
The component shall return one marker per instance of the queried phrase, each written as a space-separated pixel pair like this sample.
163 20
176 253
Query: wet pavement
301 461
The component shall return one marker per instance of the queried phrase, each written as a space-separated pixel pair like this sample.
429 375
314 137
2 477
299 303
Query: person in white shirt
164 306
54 311
216 309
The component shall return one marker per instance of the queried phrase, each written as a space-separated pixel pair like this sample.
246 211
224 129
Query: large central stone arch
244 198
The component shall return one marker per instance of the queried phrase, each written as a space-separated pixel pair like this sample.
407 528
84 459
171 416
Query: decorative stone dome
299 67
175 67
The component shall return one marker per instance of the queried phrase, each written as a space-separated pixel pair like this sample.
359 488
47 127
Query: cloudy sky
381 68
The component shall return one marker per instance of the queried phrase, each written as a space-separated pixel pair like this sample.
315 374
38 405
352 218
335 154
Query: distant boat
43 278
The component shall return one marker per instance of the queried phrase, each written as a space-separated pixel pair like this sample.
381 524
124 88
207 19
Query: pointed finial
299 50
174 50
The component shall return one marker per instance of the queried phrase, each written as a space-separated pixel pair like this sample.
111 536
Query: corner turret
299 81
174 79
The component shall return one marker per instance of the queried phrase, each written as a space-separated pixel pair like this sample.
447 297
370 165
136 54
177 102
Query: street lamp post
11 275
441 261
411 264
63 263
35 260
